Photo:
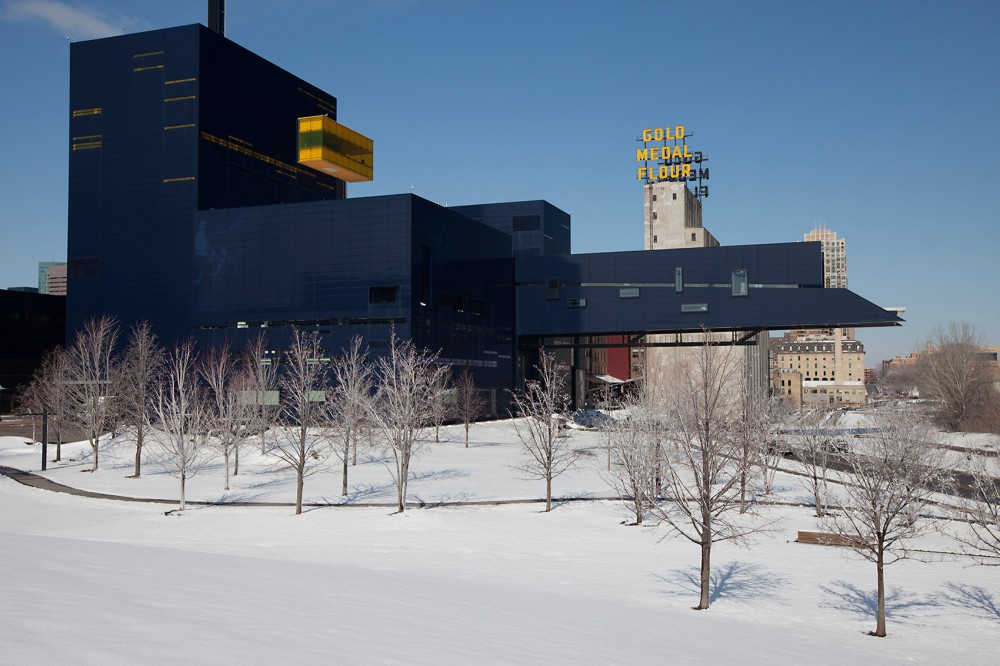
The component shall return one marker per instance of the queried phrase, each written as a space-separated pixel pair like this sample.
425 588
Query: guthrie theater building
207 195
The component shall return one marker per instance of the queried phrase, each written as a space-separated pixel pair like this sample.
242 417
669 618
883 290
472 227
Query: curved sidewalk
33 480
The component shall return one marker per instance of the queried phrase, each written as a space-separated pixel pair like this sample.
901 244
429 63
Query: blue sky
880 120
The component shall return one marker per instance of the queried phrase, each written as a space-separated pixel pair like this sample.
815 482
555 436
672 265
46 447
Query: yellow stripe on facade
174 127
178 180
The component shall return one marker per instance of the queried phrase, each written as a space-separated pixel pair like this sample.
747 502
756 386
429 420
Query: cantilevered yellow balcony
328 146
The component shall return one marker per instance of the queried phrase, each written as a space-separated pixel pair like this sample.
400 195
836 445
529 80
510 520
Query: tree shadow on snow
972 598
899 605
738 581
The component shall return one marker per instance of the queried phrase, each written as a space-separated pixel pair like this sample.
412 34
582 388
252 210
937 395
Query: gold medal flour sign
666 156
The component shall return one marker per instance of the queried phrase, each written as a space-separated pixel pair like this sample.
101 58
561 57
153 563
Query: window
654 238
675 196
654 197
527 222
552 289
694 307
576 302
383 295
678 279
739 282
693 237
628 292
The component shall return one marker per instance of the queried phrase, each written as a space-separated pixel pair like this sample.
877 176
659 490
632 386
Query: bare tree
982 509
141 366
634 447
702 458
262 387
227 412
304 383
894 475
954 371
179 411
47 392
469 401
442 399
402 405
539 425
92 380
352 392
814 447
750 430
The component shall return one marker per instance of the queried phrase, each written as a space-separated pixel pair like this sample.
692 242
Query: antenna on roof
217 16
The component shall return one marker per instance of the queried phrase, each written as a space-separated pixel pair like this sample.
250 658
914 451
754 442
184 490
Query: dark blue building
191 206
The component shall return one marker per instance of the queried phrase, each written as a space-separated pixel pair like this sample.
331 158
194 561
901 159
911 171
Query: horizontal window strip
176 127
87 146
343 321
147 68
178 180
175 81
666 285
146 55
96 111
179 99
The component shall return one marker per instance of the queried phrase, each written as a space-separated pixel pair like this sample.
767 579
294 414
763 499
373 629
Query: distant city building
673 218
802 354
52 277
818 370
834 257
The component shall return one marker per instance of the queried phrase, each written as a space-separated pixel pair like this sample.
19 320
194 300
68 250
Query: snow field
107 582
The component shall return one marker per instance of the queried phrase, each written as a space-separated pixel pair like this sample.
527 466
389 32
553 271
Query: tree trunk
138 454
299 473
743 490
437 434
548 491
183 480
404 474
706 574
236 463
880 621
466 434
94 444
343 491
817 499
226 456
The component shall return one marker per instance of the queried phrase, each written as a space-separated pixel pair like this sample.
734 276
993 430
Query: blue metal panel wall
275 266
610 293
549 235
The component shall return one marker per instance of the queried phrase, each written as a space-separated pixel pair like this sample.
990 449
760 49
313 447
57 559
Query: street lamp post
45 434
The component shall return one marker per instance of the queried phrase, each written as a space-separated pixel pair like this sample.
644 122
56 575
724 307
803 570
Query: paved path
37 481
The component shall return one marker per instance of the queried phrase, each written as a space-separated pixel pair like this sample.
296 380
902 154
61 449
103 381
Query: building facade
207 197
819 370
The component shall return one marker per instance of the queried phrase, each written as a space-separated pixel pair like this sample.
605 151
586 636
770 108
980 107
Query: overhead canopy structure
745 288
334 149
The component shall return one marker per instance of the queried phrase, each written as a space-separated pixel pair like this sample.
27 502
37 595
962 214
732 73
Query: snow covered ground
90 581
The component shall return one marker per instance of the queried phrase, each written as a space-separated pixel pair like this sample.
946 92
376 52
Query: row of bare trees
689 451
305 406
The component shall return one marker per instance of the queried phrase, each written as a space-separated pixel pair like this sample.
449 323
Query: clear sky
880 120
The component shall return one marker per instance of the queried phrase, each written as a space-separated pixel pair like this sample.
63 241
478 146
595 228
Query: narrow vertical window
552 289
739 282
678 279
